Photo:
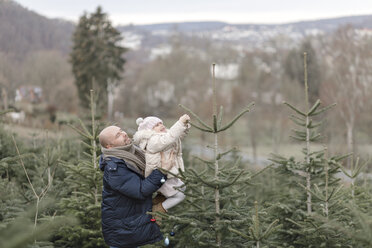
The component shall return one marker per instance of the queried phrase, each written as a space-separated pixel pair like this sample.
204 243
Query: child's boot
159 198
158 208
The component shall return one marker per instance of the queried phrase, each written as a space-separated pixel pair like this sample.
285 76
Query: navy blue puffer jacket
126 197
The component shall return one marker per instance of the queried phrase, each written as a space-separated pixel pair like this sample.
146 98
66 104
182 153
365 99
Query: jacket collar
103 162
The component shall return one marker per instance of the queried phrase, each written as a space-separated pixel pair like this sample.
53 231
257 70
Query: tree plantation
277 155
52 191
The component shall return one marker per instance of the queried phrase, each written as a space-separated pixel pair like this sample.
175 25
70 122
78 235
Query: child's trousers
173 200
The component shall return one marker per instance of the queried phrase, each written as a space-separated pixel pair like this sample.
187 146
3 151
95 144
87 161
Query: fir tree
255 234
84 202
96 56
28 212
50 165
11 198
21 232
313 163
215 192
315 200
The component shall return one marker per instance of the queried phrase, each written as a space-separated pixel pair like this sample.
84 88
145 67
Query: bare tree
349 58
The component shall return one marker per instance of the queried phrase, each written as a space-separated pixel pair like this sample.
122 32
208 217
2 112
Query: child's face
159 128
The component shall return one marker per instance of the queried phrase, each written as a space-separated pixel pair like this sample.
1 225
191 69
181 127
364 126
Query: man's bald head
113 136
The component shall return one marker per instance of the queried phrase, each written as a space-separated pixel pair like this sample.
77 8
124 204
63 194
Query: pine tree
215 192
28 212
361 230
11 199
84 202
256 234
96 56
315 200
21 232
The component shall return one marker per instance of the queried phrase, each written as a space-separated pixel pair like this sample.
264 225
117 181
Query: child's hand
185 119
167 162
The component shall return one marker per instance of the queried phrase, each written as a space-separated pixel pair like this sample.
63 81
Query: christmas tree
314 205
216 188
28 212
84 181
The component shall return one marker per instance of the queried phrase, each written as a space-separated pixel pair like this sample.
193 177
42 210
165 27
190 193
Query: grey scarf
133 156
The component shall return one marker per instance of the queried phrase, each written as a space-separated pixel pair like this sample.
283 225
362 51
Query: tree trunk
308 175
216 169
93 142
110 100
253 137
217 191
4 95
349 141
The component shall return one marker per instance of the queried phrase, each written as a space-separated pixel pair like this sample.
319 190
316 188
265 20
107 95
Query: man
127 194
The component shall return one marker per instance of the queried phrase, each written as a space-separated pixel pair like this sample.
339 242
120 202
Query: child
153 137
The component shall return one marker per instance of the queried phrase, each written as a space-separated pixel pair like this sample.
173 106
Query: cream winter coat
153 143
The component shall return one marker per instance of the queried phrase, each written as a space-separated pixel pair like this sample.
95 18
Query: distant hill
184 26
331 24
22 31
242 36
322 24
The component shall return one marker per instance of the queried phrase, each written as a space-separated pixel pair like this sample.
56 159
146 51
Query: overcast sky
232 11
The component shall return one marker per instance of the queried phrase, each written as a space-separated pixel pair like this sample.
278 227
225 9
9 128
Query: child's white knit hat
148 123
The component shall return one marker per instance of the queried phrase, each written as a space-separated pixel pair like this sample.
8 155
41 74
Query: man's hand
167 162
185 119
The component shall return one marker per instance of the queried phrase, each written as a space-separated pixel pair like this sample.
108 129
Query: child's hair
148 123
